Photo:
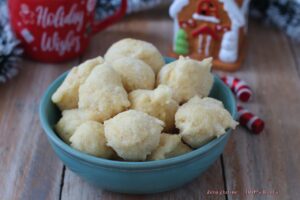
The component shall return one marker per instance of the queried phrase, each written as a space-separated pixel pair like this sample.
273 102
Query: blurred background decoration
10 52
214 28
284 14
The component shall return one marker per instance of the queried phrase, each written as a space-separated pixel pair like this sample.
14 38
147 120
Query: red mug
57 30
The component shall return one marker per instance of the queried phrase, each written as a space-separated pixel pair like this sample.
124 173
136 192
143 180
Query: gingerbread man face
207 11
207 8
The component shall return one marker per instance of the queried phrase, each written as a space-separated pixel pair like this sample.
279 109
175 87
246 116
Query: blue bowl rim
102 162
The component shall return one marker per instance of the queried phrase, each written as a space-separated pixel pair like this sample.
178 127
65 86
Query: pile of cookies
130 105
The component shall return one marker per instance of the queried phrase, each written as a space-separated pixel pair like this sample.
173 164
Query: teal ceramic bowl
135 177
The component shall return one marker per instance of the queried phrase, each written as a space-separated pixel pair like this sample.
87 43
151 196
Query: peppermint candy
239 87
250 121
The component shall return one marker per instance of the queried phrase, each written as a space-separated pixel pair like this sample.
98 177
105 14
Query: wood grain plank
157 30
271 160
29 169
295 47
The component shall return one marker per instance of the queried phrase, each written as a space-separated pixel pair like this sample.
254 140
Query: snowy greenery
9 50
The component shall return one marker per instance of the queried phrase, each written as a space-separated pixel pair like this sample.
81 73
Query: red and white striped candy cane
239 87
250 121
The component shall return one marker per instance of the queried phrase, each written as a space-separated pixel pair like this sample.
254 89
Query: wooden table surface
265 163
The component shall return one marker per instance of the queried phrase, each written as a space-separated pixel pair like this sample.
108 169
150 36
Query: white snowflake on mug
26 14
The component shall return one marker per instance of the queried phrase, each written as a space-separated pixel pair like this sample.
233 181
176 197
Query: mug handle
100 25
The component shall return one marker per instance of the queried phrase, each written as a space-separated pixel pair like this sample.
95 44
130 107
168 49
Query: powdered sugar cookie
157 103
89 138
103 91
139 49
170 145
187 78
133 134
200 120
71 119
135 74
66 96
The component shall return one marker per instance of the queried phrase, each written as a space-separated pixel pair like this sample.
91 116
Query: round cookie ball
103 74
71 119
89 138
200 120
133 134
135 74
103 91
170 146
157 103
187 78
66 96
107 101
139 49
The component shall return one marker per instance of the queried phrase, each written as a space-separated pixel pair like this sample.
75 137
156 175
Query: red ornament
240 88
250 121
52 30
